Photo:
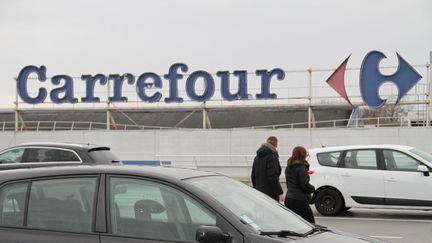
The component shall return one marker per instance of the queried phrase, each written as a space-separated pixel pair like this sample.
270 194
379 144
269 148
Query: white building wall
227 151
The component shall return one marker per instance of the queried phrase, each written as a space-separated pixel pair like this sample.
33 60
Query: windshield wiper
282 233
318 228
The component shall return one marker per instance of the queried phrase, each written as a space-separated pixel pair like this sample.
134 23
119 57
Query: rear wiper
282 233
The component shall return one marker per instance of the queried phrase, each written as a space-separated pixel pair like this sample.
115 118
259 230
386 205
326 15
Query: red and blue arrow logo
371 79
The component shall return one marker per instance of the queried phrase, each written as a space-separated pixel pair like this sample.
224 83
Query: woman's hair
299 153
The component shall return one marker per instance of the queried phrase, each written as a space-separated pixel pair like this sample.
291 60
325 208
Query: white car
370 176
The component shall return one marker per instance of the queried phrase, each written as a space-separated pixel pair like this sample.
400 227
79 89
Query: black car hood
323 237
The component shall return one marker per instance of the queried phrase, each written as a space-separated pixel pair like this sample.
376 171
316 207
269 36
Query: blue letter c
22 84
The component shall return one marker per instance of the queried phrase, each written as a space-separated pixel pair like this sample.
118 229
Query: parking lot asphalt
398 226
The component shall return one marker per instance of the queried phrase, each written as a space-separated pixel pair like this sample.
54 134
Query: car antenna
322 145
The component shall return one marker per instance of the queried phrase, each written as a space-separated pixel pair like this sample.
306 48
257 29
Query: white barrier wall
227 151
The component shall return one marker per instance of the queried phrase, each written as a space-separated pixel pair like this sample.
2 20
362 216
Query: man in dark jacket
266 170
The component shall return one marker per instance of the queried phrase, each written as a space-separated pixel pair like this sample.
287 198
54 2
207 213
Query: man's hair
272 140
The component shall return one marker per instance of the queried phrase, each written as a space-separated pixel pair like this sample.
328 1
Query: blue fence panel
147 162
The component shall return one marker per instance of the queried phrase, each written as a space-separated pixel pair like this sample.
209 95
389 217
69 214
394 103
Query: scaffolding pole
16 105
204 113
310 99
429 93
108 111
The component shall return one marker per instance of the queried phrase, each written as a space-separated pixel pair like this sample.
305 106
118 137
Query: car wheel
328 202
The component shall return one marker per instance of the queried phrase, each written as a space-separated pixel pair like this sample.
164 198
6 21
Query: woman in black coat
299 190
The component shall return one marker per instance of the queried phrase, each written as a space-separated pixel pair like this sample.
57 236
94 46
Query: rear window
329 159
103 155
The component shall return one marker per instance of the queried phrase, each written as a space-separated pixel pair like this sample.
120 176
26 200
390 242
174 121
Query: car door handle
391 180
346 175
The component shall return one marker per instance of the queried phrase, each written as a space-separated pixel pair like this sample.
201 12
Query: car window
329 159
398 161
65 156
12 204
251 207
62 204
361 159
50 155
151 210
32 155
426 156
12 156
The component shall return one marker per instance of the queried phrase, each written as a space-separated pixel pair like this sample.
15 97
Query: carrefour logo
63 92
371 79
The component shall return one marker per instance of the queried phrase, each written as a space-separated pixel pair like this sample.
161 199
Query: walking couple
265 177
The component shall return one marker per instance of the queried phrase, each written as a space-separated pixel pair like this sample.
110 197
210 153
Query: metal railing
70 126
343 123
91 126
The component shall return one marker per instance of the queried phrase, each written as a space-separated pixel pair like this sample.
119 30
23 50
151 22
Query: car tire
328 202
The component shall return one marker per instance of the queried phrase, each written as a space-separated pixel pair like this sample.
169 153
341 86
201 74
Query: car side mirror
424 169
210 234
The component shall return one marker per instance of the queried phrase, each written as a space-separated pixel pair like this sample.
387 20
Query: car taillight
310 172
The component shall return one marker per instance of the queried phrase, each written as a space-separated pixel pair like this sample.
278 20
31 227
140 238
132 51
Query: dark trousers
301 208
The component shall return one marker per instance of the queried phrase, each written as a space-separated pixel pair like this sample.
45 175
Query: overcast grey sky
105 36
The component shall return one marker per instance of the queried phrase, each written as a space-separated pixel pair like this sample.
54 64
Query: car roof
83 146
166 173
349 147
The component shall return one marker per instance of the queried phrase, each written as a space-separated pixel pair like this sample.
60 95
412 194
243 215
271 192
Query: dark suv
136 204
43 154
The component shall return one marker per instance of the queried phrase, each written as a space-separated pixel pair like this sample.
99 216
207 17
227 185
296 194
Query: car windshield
253 208
423 154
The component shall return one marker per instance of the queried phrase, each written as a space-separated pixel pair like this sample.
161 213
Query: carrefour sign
65 93
370 81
